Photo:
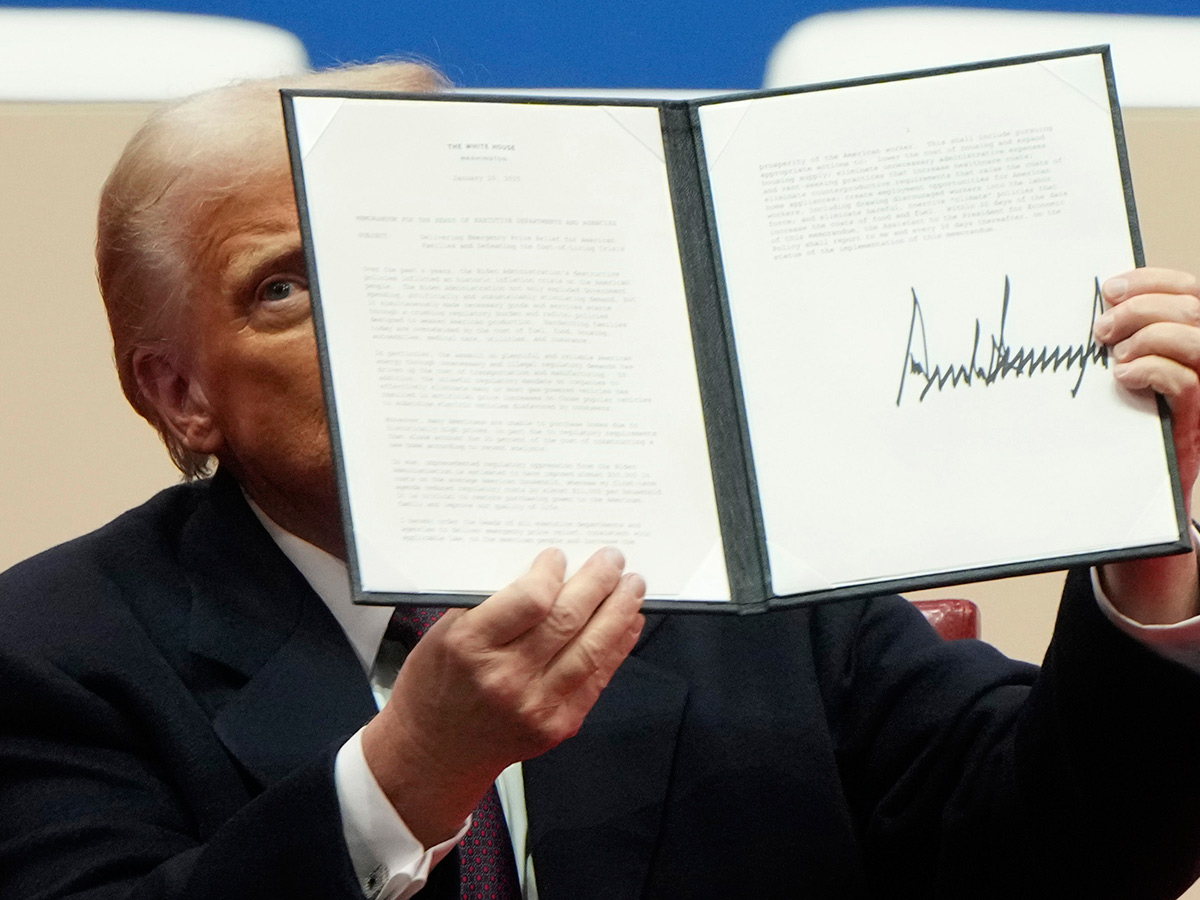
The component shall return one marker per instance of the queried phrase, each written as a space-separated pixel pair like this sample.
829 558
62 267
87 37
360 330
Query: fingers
1170 378
1167 339
1134 313
1153 329
538 613
587 662
569 639
577 601
522 605
1149 280
1145 296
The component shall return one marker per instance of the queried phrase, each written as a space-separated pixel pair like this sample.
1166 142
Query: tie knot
409 623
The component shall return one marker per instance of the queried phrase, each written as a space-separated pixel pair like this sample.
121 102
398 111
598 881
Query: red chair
953 617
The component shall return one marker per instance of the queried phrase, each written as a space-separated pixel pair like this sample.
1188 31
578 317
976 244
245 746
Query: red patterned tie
409 623
485 854
486 863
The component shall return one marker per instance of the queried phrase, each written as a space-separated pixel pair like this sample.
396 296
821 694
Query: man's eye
278 290
275 290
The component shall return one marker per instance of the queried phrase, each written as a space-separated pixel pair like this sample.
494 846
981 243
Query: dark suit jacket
172 694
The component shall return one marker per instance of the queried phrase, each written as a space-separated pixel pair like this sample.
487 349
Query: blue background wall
543 43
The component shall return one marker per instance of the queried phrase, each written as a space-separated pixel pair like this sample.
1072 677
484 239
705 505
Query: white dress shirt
390 863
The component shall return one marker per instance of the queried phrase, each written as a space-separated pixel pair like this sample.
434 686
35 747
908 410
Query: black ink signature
1003 360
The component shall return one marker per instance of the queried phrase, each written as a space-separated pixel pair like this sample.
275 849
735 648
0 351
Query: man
186 706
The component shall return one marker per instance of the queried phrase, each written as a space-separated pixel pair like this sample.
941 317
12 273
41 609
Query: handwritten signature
1003 360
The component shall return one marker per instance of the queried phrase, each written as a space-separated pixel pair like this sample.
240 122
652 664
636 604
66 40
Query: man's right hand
500 683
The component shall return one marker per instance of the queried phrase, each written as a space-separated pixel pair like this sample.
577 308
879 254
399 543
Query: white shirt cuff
390 863
1179 642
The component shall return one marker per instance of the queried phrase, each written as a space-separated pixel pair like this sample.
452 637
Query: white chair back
1156 58
134 55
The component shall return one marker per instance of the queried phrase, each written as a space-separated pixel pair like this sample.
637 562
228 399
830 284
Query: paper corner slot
379 574
313 117
792 575
710 579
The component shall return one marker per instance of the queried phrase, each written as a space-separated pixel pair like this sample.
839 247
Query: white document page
509 344
867 233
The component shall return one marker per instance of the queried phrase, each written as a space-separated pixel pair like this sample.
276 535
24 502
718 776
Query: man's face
254 359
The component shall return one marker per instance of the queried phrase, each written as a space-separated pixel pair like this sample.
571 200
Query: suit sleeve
971 776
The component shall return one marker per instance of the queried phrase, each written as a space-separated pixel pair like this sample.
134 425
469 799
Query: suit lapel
254 613
596 802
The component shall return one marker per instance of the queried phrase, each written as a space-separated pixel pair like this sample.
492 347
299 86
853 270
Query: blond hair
187 157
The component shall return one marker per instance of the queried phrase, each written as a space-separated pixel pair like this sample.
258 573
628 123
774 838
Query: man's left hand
1152 329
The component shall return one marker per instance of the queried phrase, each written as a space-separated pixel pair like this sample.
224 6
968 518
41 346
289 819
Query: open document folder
777 347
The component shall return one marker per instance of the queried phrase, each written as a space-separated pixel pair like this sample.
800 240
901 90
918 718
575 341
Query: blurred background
552 43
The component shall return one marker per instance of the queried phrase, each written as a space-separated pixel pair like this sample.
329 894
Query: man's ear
179 399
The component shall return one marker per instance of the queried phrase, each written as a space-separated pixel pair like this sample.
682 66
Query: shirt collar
327 575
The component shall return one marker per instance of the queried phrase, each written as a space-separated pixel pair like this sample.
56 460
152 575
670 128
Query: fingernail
613 557
1120 351
1103 327
636 584
1114 288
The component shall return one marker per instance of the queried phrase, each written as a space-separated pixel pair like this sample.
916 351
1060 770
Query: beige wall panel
1164 160
74 454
